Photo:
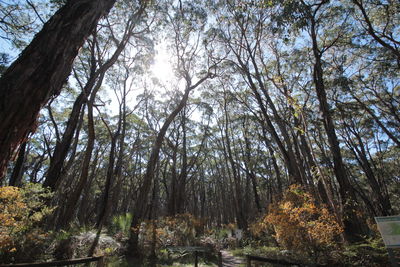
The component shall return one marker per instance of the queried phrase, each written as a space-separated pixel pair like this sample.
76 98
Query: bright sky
162 67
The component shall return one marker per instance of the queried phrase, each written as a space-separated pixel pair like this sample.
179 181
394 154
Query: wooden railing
258 259
250 258
99 260
195 250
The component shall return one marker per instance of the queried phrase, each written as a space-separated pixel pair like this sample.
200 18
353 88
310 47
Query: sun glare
162 68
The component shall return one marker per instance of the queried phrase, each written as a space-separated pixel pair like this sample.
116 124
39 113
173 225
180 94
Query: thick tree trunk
115 163
250 174
83 215
352 229
42 69
118 179
182 178
287 153
294 168
105 203
234 173
62 147
272 157
171 206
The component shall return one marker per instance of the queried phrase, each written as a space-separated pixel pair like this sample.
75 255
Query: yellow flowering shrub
21 210
301 225
13 210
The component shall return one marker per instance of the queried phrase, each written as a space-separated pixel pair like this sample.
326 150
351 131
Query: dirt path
228 260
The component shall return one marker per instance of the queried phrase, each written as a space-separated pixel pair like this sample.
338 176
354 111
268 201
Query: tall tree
186 52
349 201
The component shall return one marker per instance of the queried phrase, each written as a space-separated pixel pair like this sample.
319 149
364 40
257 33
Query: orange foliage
21 211
181 229
13 212
301 225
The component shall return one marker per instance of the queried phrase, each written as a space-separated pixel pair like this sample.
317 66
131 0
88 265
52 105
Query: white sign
389 227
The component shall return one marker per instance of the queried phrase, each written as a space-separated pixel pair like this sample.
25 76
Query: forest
141 129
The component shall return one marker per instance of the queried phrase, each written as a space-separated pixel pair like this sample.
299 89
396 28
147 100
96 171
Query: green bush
121 223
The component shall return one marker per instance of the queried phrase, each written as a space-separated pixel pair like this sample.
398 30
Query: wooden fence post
248 259
392 258
196 258
100 262
219 259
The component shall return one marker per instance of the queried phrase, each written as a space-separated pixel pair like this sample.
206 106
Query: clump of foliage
260 234
301 225
21 212
121 224
178 230
222 237
371 252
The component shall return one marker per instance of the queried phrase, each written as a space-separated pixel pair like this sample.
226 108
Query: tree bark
352 229
42 69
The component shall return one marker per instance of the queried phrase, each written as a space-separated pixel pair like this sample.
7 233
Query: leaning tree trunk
70 206
139 209
142 200
42 69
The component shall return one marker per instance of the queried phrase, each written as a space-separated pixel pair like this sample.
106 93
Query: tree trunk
352 229
182 178
61 149
73 200
142 199
359 151
16 175
42 69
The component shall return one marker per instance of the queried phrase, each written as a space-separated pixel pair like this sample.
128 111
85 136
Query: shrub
371 252
121 224
178 230
301 225
21 212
